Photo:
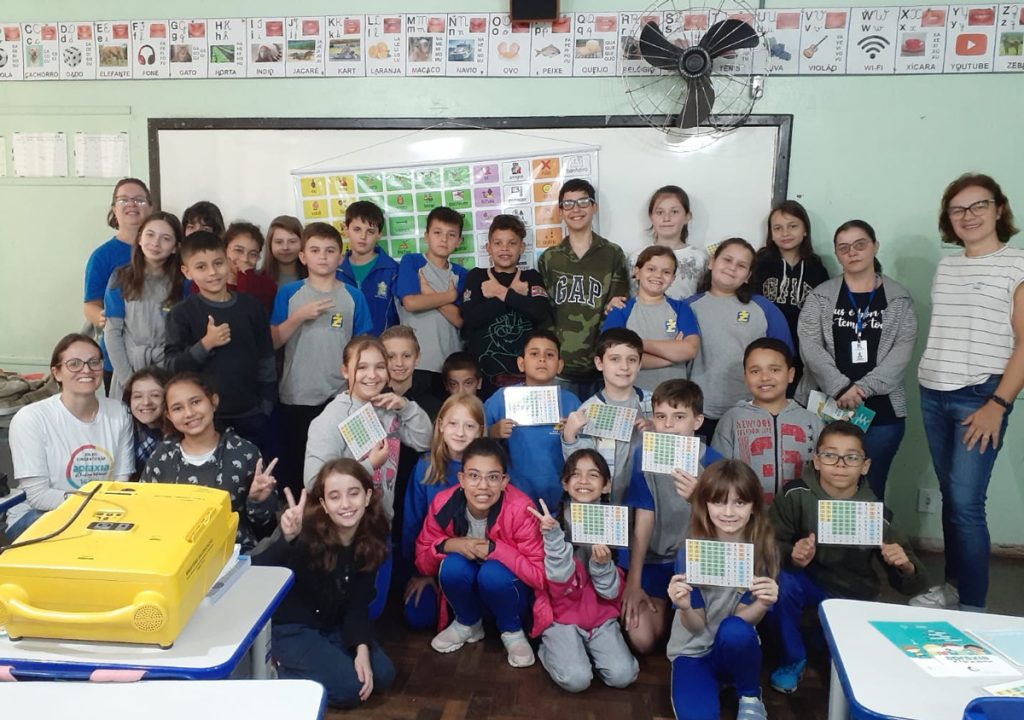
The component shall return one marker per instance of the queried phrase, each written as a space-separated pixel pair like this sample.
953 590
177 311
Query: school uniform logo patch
670 326
743 316
337 320
466 295
538 291
382 289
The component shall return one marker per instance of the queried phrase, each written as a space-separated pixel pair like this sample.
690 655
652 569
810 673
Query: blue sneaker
786 678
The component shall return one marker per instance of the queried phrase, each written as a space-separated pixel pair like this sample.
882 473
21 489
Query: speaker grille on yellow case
148 618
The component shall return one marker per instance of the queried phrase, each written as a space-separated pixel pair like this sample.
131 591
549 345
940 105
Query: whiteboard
245 166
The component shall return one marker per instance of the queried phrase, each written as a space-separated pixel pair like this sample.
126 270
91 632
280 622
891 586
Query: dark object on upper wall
532 10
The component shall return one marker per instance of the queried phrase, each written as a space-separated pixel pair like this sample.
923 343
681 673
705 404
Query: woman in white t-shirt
67 440
971 371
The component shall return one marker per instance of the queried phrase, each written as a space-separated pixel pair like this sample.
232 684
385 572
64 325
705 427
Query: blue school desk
165 700
212 645
871 678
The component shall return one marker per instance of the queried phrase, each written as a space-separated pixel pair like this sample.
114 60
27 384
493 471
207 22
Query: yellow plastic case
131 568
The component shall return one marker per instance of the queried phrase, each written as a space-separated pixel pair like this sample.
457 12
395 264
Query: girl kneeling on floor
713 640
481 542
585 590
334 539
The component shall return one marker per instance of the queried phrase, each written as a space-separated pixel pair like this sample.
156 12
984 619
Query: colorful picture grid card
189 51
662 453
345 52
465 45
1010 43
597 524
41 48
872 41
610 421
532 405
847 522
725 564
1014 688
362 431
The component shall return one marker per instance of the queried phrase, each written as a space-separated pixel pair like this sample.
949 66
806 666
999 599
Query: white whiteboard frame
618 221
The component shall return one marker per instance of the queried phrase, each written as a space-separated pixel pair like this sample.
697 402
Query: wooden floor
476 683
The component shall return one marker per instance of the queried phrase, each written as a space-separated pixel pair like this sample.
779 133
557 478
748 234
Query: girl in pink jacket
585 590
481 542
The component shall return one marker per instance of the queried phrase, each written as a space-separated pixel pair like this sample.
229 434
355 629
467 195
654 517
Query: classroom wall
881 149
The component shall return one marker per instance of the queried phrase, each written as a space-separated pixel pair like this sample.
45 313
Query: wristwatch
1000 402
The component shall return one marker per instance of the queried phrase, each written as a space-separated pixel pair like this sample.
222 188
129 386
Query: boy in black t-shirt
502 305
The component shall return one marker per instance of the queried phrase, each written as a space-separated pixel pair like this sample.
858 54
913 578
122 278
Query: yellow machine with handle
131 567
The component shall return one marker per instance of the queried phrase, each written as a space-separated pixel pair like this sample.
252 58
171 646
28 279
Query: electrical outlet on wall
927 500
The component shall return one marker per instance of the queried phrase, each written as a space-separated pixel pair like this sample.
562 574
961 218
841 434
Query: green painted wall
881 149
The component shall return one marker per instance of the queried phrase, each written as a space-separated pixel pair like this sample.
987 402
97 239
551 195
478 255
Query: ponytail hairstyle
437 470
111 218
679 194
318 530
132 277
200 382
866 229
788 207
271 266
745 291
714 485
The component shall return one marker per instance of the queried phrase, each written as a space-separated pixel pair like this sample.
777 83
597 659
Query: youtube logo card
970 38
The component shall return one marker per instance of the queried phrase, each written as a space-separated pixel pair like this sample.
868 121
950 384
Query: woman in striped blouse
970 374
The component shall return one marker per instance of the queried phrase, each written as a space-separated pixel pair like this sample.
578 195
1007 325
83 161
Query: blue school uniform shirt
417 503
535 451
378 287
102 263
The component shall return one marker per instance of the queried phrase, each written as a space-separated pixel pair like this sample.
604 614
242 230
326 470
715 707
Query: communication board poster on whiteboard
523 185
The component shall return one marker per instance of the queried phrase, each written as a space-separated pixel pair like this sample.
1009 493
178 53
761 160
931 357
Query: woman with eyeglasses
857 334
61 443
130 205
970 373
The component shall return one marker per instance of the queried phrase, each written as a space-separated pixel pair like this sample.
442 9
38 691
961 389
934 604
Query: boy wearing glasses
811 573
484 546
773 435
582 274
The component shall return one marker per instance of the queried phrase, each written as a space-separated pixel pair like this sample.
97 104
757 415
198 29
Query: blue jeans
880 444
306 653
22 524
735 657
963 480
796 591
473 588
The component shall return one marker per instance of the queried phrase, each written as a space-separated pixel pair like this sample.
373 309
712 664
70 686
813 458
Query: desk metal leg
838 706
259 655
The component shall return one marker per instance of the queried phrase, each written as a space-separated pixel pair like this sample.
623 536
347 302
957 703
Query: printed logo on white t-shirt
88 463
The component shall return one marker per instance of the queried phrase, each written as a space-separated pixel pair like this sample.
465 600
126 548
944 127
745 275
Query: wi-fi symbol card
872 45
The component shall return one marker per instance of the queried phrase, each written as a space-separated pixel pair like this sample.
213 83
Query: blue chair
995 708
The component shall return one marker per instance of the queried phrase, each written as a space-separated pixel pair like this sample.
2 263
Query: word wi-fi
873 44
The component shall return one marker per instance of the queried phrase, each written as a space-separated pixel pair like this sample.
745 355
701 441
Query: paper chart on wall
848 522
304 47
265 47
466 45
662 453
508 47
631 24
189 51
532 405
227 47
525 186
552 48
102 155
3 156
1010 45
824 41
11 67
150 50
426 50
597 524
362 431
385 45
346 54
596 51
40 154
871 46
970 38
113 42
41 48
77 51
723 564
610 421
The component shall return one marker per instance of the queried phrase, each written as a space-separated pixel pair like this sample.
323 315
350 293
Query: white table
209 647
879 681
165 700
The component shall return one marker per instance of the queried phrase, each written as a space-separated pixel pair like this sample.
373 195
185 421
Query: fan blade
657 49
729 35
700 97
